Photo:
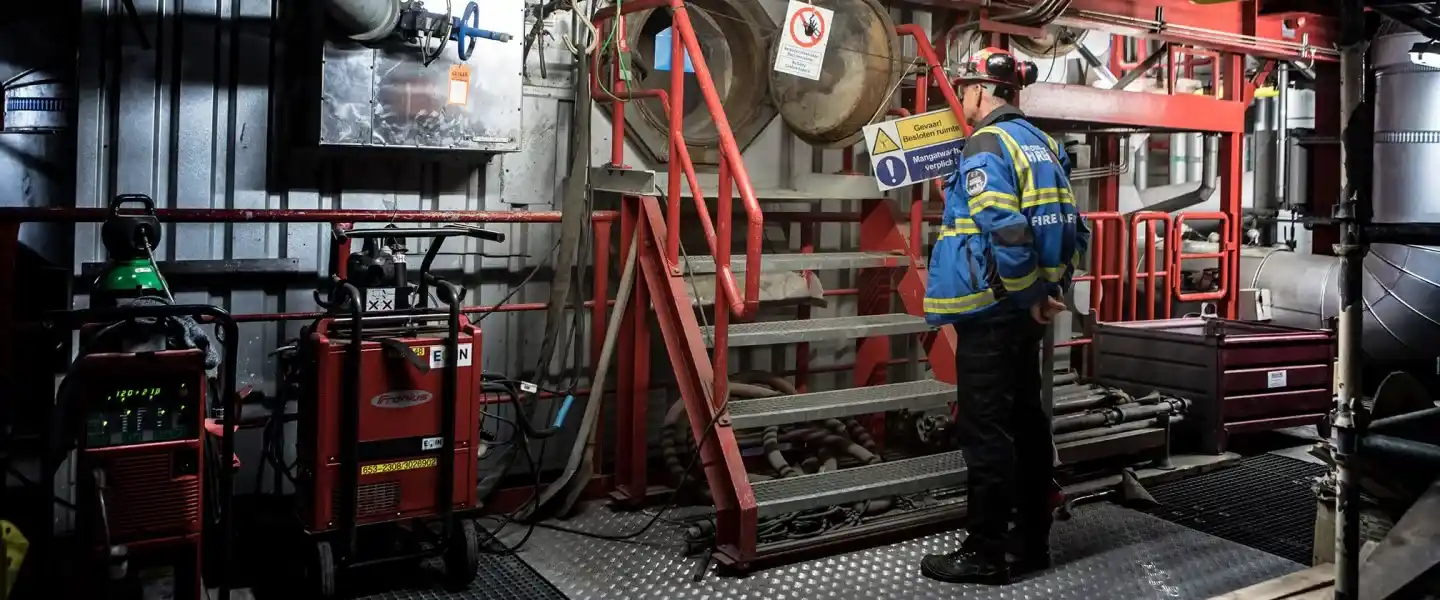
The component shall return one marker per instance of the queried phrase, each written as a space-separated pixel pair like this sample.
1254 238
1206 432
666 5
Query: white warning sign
801 51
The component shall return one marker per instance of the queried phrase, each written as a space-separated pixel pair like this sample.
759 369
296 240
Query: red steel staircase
888 266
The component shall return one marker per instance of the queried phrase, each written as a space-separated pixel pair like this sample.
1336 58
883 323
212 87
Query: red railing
1221 255
1103 225
683 42
732 166
1151 258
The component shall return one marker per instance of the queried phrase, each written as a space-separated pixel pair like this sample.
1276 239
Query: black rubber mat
1264 502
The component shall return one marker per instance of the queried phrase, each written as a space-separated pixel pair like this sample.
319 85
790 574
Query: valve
465 30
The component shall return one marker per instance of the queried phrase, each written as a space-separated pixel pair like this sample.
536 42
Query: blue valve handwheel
465 30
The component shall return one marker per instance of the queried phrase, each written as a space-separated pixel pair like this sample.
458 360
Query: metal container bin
1239 376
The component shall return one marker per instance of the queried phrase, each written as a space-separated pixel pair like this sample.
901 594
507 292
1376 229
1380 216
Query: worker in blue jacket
1008 246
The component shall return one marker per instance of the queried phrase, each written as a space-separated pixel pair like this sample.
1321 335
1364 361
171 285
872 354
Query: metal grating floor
1104 552
1264 502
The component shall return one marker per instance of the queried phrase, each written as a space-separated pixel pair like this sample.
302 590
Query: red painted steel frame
1229 27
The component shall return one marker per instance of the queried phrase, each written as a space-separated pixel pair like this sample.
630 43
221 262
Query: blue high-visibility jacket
1011 234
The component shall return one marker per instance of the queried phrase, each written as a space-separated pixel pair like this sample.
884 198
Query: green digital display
140 412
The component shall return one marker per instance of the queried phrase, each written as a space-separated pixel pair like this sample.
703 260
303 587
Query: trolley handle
1222 256
146 203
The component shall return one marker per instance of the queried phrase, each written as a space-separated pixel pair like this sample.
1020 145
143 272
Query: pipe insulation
365 20
1401 285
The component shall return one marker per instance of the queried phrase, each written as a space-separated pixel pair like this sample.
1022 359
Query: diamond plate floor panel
500 577
1105 552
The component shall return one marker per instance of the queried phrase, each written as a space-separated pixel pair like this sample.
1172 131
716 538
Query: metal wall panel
196 121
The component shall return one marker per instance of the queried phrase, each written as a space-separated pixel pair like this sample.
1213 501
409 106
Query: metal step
818 330
806 187
771 263
778 410
909 476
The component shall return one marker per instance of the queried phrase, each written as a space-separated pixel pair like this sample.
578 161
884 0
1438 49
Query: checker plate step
771 263
778 410
817 330
909 476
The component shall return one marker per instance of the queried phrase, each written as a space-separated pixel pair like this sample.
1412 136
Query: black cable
669 503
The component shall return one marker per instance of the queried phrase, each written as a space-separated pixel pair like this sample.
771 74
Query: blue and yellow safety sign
915 149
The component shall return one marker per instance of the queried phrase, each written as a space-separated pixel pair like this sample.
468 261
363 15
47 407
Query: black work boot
965 566
1025 557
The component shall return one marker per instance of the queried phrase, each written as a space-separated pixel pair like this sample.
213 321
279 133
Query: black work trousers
1004 431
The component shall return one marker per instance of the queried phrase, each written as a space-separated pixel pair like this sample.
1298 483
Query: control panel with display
122 413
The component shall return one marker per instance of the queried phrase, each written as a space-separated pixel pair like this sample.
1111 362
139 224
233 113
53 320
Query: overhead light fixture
1426 54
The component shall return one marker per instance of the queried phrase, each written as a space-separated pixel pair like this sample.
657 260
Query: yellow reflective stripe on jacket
1020 283
1043 196
960 227
999 200
963 304
1053 274
1024 175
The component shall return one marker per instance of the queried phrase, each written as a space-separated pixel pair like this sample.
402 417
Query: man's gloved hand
1046 309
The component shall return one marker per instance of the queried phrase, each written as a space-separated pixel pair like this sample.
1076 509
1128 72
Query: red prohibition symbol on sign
807 28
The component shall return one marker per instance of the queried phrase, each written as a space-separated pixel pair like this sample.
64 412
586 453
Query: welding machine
390 415
136 421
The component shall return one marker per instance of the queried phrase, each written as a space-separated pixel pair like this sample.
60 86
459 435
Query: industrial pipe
365 20
1385 447
1282 133
1121 414
1400 285
1087 434
1203 189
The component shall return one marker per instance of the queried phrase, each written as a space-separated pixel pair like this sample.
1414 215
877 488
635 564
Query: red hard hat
999 67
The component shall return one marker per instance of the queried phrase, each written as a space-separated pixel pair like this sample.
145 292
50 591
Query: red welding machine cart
389 438
137 423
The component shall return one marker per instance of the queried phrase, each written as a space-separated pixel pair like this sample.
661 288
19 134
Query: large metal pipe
1401 283
1204 187
1179 144
365 20
1282 133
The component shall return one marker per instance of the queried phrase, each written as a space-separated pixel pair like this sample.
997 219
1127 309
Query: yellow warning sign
883 143
404 465
929 129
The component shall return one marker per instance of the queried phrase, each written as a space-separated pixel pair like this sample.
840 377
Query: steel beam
1230 27
1078 105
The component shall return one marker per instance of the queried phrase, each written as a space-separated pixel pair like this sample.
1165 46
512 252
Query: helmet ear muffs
1029 73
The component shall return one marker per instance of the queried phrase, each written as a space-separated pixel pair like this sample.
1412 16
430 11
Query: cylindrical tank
1401 283
1407 133
33 103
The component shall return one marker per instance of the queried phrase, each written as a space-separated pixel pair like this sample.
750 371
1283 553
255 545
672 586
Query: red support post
630 442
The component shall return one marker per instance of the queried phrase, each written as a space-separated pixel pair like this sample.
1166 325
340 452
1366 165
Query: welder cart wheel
462 555
320 572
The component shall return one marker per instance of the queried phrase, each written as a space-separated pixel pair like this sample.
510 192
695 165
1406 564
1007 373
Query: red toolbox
1240 376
